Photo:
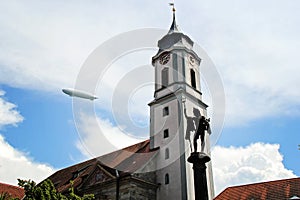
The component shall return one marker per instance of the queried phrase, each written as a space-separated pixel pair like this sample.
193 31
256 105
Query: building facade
108 183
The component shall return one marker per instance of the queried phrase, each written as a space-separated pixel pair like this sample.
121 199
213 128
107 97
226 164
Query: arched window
167 153
165 77
167 179
193 78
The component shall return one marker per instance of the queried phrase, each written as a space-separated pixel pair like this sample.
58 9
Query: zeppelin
77 93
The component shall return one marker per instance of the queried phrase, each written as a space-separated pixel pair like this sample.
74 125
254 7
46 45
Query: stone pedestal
200 182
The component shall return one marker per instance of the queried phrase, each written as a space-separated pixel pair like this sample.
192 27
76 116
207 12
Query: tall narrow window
166 133
165 77
166 111
167 179
167 153
193 78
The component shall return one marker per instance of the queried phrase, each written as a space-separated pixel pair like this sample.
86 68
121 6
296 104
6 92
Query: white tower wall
177 83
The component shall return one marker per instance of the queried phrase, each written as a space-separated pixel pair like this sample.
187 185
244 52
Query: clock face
164 58
192 60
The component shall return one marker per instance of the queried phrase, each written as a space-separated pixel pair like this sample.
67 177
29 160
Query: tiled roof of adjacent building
273 190
11 190
127 161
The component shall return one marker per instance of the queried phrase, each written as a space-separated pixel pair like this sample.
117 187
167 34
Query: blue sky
47 131
43 46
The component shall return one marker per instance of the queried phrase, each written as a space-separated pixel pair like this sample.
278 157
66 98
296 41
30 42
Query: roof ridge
261 183
97 158
144 141
81 163
7 184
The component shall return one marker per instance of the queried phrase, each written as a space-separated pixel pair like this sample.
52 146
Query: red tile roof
126 160
272 190
11 190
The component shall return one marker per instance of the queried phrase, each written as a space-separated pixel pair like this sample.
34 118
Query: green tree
6 196
47 191
73 196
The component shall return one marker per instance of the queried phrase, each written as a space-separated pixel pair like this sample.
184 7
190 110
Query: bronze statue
203 126
197 124
191 124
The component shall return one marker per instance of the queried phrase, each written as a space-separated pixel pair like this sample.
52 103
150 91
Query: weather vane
173 6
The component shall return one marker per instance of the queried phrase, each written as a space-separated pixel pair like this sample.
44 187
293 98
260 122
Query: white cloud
15 164
44 50
44 44
98 136
256 54
242 165
8 113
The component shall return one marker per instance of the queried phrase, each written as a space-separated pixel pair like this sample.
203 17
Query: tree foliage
47 191
7 196
4 196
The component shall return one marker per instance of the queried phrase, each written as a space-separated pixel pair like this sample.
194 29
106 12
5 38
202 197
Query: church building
156 168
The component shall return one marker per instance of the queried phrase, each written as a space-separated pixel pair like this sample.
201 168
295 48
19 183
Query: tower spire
173 27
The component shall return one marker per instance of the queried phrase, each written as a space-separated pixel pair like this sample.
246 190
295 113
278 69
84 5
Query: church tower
177 96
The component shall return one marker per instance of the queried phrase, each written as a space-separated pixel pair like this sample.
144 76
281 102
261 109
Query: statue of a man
203 125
